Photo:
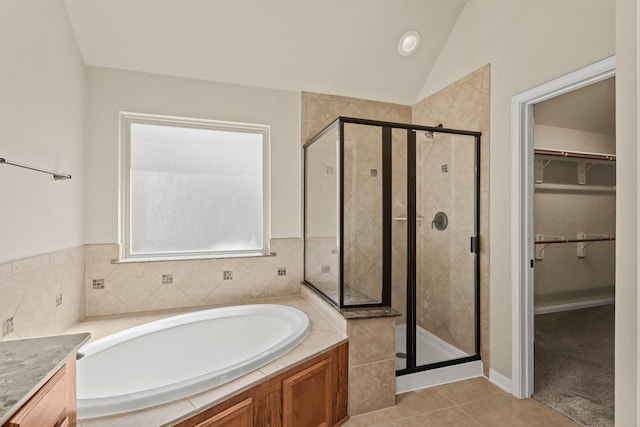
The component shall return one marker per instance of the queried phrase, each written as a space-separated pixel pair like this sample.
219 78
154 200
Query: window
193 188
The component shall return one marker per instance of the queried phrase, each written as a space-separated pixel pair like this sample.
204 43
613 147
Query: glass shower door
445 251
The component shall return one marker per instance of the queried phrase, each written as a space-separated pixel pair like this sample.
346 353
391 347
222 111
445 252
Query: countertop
323 336
26 365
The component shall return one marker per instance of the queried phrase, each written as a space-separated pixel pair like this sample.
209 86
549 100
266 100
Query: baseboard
574 306
500 380
439 376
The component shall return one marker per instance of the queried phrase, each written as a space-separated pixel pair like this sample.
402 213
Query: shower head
429 134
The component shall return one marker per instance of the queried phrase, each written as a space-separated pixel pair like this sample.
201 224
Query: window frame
125 120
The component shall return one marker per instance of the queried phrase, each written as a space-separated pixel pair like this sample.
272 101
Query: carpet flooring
574 364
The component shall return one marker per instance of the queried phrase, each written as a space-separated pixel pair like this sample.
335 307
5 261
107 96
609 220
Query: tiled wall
465 105
372 375
318 110
42 295
321 227
363 177
446 305
363 212
141 286
445 266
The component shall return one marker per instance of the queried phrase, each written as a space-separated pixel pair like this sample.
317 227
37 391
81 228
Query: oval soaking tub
172 358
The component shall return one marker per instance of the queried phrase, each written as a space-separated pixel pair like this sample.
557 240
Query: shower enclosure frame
411 260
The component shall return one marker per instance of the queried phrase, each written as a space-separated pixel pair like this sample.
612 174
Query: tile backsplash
46 294
141 286
32 290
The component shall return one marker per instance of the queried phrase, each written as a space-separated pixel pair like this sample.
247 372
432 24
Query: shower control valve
440 221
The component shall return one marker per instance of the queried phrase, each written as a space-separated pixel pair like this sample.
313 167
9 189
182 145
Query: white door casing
522 238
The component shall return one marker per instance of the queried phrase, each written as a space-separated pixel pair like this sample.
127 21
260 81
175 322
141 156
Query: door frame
522 191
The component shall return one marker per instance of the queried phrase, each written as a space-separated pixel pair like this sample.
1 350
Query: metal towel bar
56 175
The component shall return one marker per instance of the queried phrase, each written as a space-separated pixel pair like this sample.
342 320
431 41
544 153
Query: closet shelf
584 160
584 240
596 239
543 186
568 154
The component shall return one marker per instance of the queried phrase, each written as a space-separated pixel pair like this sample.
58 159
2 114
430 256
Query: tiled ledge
356 312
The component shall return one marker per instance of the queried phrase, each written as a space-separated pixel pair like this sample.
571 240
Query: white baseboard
500 380
439 376
574 305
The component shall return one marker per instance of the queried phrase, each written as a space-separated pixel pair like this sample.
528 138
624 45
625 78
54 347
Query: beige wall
527 44
627 356
110 91
573 139
562 277
41 124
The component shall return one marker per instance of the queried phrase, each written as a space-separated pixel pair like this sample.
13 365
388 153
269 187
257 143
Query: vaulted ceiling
341 47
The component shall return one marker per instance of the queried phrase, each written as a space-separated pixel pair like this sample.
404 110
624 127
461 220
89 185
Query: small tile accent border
7 326
46 294
188 283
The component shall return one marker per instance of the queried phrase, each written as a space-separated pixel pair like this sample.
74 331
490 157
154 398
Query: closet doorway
574 202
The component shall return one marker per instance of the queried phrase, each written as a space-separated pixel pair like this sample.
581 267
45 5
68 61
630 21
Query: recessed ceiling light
409 43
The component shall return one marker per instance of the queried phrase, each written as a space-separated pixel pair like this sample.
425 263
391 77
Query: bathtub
173 358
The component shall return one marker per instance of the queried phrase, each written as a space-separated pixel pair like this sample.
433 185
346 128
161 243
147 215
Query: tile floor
474 402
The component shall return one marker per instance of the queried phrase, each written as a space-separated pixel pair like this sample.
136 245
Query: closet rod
56 175
575 154
596 239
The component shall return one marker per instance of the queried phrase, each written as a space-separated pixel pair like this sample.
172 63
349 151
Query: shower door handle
475 244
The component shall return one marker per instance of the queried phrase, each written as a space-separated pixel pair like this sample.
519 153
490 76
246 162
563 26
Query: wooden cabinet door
239 415
307 398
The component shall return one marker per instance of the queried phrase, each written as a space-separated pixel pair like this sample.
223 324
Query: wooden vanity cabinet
54 405
312 394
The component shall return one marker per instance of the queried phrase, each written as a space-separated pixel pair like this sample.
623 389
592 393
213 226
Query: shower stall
391 216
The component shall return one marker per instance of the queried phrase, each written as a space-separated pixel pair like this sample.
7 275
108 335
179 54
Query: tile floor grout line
469 415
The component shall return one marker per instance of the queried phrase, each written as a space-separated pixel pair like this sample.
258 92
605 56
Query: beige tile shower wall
399 225
42 295
141 286
318 110
363 262
321 228
363 210
445 273
465 105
